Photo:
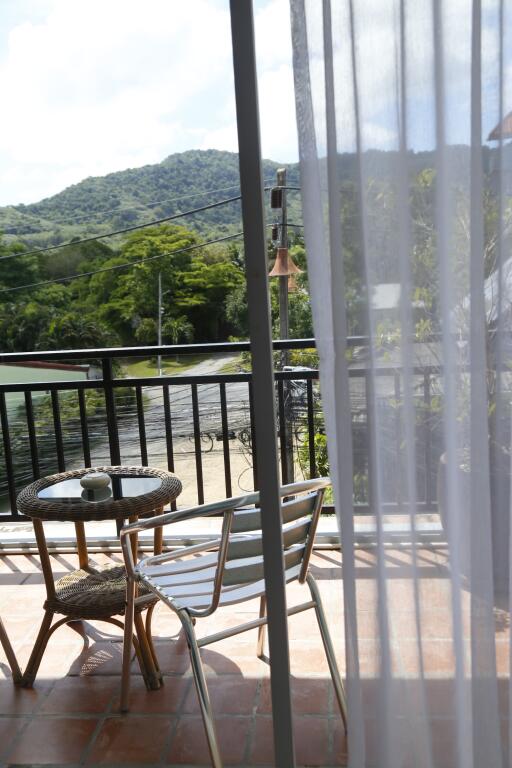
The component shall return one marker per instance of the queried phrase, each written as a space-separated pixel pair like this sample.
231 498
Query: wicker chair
9 652
195 587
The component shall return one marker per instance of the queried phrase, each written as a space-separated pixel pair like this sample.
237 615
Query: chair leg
38 650
329 649
261 630
149 617
202 689
127 644
9 652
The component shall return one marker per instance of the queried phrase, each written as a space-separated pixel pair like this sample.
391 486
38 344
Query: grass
147 367
236 365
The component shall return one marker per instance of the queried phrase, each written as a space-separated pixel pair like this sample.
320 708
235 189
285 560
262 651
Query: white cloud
91 87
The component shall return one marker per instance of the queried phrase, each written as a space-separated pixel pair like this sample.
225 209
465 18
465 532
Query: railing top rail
207 378
170 349
192 349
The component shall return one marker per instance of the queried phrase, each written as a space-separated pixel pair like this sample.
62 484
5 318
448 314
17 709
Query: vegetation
140 195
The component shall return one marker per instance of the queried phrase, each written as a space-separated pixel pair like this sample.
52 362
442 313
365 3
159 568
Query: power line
120 266
121 231
139 207
125 230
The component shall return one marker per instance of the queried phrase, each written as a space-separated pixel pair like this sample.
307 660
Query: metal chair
9 652
195 587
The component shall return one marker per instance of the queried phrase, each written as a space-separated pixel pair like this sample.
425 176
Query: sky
89 87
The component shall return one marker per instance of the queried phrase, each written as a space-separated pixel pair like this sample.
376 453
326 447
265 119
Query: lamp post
284 268
159 320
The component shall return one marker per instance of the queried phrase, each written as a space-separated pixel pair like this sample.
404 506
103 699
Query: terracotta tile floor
71 717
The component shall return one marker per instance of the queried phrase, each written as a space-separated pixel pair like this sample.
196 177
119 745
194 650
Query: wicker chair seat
91 594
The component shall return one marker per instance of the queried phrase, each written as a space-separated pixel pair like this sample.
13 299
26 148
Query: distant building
33 371
504 131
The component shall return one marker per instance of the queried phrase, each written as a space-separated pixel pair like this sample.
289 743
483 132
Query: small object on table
95 480
90 593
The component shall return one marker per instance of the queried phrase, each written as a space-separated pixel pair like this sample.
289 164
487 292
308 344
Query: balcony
202 425
72 715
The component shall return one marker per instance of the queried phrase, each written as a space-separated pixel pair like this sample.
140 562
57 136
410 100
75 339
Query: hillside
139 195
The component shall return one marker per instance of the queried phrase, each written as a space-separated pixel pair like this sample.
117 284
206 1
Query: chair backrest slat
246 520
250 569
252 545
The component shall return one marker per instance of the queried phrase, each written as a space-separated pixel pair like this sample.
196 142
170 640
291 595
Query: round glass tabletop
120 487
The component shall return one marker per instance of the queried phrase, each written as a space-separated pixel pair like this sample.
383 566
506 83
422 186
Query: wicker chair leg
202 689
11 657
128 639
38 650
261 630
151 675
149 617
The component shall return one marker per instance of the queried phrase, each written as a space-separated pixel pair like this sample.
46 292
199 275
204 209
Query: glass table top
120 487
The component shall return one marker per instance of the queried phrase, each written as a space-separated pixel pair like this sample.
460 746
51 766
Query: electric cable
123 231
120 266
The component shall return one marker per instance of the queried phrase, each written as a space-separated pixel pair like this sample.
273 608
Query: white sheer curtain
406 169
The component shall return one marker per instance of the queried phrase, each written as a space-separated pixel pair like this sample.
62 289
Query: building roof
503 130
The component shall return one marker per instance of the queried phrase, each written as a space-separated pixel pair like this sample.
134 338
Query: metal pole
251 185
284 330
159 322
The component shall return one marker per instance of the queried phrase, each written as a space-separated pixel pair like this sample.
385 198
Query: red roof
503 130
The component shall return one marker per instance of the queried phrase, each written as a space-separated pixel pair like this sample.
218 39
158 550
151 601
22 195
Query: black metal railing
178 421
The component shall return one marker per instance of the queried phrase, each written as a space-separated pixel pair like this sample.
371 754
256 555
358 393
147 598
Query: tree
76 331
177 329
146 332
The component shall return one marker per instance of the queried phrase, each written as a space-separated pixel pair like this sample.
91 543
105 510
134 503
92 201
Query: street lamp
284 268
161 312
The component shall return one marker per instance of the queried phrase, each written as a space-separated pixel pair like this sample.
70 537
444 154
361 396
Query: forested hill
138 195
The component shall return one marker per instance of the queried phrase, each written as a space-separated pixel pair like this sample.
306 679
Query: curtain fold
404 116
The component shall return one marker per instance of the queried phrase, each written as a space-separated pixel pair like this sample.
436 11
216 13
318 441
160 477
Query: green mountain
140 195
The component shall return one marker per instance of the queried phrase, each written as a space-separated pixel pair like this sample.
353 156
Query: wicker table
91 593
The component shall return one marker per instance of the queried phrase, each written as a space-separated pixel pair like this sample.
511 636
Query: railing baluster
311 429
32 437
428 440
57 425
369 388
225 438
282 432
4 421
168 433
398 441
142 427
110 405
253 439
84 428
197 443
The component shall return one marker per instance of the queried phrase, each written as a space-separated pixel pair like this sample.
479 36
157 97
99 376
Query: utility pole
284 325
283 268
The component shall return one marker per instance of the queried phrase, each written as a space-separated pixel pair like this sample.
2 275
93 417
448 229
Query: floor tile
229 695
53 741
131 739
17 701
309 697
9 729
167 700
311 736
189 745
80 695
